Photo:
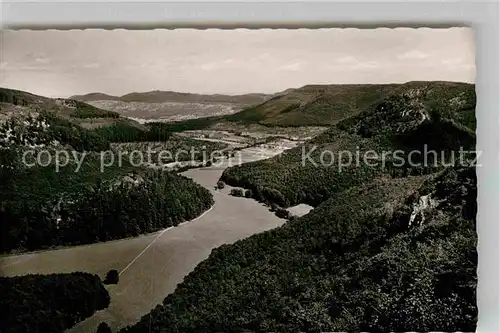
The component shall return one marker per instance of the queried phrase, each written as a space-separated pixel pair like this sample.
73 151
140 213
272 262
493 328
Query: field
167 111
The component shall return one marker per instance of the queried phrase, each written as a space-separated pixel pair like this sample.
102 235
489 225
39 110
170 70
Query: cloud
413 55
294 66
351 63
366 65
452 62
92 65
270 60
263 56
42 60
214 65
346 60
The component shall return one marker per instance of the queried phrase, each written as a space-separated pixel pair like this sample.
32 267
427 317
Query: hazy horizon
56 63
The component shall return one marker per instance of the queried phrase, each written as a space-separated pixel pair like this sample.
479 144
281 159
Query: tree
282 213
49 303
40 217
248 194
220 185
103 328
112 277
237 192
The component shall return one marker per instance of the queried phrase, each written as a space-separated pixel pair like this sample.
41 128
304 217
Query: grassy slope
93 205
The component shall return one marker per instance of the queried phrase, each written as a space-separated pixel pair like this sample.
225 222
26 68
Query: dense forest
18 97
327 105
42 208
389 248
415 120
180 148
46 129
371 258
72 204
78 201
49 303
126 131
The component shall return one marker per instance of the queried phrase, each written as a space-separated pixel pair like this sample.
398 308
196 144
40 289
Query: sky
63 63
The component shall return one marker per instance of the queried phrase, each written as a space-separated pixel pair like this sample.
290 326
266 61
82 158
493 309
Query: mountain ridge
328 104
388 247
161 96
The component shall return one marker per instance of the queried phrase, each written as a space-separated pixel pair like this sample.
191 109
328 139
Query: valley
167 111
376 246
168 106
171 255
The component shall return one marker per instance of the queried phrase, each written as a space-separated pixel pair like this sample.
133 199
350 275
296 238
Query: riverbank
168 258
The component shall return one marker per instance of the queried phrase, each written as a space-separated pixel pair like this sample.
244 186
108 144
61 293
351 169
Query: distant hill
19 97
159 96
17 101
328 104
95 97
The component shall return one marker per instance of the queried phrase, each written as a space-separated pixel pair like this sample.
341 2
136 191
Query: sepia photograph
238 180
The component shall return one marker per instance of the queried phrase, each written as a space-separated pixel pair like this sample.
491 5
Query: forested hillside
73 199
326 105
182 149
42 208
388 247
391 255
416 119
16 100
49 303
329 104
314 104
73 120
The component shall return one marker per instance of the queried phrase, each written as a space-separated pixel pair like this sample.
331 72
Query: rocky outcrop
29 131
424 204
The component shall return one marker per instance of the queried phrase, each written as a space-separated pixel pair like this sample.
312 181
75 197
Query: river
152 265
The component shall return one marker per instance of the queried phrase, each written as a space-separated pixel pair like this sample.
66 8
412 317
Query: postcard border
483 17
